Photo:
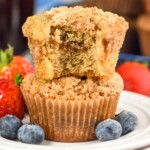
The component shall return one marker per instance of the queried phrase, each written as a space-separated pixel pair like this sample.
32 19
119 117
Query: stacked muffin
75 51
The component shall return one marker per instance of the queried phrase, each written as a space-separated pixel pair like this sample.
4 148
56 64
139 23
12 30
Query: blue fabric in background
129 57
43 5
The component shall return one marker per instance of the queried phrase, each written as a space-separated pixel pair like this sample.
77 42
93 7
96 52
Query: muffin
75 41
69 108
143 28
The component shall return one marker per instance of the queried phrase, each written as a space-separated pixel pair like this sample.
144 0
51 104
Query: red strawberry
136 77
11 99
10 66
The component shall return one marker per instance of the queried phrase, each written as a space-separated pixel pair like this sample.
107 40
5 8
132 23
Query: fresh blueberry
128 121
31 134
108 130
9 126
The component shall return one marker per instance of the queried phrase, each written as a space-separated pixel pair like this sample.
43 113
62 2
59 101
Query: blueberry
128 121
9 126
31 134
108 130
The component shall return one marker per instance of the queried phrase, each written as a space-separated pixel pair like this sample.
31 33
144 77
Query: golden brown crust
68 109
113 27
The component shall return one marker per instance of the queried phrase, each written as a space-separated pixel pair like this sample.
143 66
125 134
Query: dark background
13 14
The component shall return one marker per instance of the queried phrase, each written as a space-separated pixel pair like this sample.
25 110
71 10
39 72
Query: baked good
69 108
75 51
75 41
143 28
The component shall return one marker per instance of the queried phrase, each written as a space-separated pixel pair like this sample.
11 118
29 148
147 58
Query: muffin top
41 26
73 88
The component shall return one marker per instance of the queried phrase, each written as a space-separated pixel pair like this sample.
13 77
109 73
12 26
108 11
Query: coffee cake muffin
75 41
69 108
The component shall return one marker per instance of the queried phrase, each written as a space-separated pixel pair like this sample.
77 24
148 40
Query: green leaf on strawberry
18 79
145 63
6 56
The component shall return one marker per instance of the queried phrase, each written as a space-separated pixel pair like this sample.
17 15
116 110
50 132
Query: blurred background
13 14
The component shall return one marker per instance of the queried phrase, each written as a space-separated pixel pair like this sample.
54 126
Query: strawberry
136 77
11 99
11 65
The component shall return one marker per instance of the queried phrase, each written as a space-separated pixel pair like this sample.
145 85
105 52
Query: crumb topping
73 88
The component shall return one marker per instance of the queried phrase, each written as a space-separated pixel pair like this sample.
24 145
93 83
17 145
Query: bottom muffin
69 108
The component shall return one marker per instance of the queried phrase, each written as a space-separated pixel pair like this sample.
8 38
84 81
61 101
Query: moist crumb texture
69 108
75 41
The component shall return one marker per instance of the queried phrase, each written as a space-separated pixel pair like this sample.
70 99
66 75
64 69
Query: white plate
138 104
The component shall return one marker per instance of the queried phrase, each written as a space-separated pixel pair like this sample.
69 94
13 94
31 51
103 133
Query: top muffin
75 41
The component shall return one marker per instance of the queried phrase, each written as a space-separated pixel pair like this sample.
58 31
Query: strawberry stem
18 79
6 56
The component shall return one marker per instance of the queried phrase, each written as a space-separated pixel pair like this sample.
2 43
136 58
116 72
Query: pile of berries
124 123
12 128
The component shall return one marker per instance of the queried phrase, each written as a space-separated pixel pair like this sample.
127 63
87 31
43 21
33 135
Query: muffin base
71 119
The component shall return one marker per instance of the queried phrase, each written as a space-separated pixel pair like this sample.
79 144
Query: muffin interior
71 62
71 57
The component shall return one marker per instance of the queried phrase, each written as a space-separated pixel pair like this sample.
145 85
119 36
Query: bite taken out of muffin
75 41
75 51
